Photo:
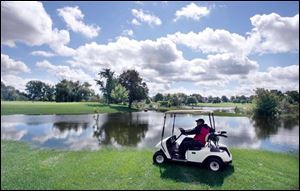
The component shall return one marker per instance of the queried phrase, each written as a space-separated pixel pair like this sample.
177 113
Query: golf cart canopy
194 111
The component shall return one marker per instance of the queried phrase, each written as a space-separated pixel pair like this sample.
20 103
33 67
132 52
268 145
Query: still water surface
143 130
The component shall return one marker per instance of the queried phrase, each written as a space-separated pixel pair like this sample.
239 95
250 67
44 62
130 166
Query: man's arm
189 131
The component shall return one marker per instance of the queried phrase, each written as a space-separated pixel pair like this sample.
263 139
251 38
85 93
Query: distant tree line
178 99
64 91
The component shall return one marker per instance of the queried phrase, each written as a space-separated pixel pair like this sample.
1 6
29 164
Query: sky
204 47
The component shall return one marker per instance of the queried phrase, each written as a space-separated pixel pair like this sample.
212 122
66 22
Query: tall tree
107 83
39 91
137 89
119 94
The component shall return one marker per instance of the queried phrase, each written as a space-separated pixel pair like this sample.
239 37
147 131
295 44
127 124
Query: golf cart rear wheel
214 164
159 157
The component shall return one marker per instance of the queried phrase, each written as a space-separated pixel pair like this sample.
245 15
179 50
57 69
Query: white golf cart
213 154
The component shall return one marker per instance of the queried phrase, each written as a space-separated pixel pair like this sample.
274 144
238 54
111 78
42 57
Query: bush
266 103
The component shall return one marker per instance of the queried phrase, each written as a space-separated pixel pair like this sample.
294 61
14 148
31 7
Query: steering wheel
179 134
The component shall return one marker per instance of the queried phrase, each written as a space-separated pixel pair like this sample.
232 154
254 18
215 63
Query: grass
24 167
43 108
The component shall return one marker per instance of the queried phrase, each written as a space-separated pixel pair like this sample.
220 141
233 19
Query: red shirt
201 136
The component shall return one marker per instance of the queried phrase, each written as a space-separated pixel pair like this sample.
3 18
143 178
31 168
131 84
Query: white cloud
64 72
135 22
142 17
280 78
276 33
74 19
10 66
160 63
28 22
211 41
19 82
42 53
127 32
192 11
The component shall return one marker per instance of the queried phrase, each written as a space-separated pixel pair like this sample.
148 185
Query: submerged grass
24 167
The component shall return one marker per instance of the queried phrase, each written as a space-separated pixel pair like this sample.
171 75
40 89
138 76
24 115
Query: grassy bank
43 108
23 167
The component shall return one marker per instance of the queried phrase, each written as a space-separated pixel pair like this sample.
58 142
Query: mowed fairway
24 167
48 108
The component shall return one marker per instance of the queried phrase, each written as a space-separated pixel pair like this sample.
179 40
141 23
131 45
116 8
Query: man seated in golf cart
200 131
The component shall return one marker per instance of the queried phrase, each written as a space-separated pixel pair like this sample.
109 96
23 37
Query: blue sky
212 48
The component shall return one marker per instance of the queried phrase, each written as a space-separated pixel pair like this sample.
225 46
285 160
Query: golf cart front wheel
159 157
214 164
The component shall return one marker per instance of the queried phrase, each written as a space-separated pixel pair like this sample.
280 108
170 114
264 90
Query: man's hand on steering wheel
182 130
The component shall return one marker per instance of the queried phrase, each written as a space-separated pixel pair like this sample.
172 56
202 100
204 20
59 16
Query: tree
69 91
181 98
107 83
191 100
158 97
232 99
175 101
39 91
266 103
210 99
198 97
119 94
224 99
9 93
294 95
63 91
137 89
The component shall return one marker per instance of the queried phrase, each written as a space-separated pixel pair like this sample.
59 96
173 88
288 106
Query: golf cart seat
195 148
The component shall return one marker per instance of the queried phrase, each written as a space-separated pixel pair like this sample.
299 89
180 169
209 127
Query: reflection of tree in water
125 129
265 126
290 122
68 126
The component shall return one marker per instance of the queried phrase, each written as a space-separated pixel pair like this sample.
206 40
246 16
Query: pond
143 130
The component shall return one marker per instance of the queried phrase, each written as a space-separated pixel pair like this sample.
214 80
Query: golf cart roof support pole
209 120
162 133
173 124
213 118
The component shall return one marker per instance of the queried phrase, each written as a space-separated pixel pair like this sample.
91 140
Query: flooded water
143 130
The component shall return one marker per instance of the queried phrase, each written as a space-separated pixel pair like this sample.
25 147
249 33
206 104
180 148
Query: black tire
214 164
159 157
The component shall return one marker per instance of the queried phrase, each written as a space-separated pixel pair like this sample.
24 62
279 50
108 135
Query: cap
200 120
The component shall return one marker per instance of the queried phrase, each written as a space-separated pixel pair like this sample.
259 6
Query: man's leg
185 144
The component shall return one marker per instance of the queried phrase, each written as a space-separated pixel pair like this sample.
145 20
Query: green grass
24 167
43 108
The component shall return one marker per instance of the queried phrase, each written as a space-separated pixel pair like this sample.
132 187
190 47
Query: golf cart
213 154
